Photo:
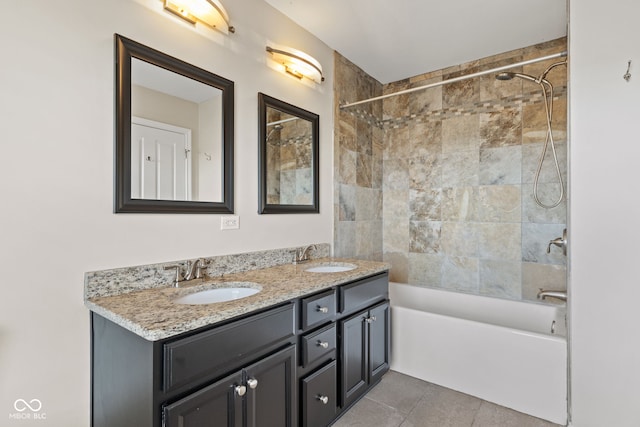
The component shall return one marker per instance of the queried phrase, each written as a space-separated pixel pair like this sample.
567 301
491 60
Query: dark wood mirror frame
264 102
125 50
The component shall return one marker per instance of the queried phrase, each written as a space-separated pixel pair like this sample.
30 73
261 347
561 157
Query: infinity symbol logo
22 405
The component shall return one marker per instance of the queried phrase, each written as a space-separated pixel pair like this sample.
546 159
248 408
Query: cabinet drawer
363 293
204 355
319 392
318 308
318 344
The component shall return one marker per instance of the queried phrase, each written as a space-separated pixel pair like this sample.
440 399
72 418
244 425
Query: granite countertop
152 314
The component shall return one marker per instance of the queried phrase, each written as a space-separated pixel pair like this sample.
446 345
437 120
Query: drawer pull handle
241 390
252 383
323 309
323 399
323 344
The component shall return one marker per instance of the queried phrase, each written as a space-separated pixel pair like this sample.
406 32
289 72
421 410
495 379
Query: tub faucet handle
560 242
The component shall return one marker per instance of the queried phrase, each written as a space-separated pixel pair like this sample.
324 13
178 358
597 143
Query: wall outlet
230 222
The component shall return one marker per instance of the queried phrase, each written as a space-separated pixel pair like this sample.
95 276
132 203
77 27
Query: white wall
56 170
605 213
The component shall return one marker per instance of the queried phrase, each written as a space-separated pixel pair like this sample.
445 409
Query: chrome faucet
302 254
195 272
194 269
562 295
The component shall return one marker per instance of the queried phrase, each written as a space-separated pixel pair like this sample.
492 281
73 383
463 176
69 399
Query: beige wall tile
460 239
501 278
425 171
425 269
501 128
500 241
545 276
461 133
460 204
424 236
399 271
500 203
460 274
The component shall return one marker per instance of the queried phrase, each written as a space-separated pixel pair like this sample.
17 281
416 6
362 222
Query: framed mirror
288 158
174 134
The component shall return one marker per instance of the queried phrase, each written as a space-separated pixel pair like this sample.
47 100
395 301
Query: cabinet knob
323 344
241 390
252 383
323 309
323 399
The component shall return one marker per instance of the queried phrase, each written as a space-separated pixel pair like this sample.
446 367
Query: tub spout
553 294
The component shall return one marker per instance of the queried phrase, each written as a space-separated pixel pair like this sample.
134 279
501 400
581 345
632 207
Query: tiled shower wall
458 168
357 165
289 180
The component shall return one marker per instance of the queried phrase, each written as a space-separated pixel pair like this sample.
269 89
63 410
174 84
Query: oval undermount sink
210 296
331 268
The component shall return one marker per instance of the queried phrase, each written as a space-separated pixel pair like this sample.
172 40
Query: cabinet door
319 392
353 358
378 342
217 405
271 390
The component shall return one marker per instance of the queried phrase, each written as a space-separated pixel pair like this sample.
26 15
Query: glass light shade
209 12
297 63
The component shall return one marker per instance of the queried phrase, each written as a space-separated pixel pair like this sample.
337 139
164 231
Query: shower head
275 127
509 76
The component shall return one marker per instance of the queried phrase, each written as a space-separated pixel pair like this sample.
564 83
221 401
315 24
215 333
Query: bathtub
510 353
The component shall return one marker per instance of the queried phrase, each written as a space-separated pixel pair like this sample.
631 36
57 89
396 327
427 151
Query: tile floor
403 401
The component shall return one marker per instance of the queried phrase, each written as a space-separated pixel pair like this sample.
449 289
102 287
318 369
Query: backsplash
129 279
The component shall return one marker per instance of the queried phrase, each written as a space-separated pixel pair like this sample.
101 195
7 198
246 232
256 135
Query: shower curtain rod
457 79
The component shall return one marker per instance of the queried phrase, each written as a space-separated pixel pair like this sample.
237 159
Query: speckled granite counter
152 314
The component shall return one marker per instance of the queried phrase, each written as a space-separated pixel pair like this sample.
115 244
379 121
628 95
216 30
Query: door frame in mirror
125 50
265 101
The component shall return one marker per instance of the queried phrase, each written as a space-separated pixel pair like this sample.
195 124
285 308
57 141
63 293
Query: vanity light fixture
297 63
209 12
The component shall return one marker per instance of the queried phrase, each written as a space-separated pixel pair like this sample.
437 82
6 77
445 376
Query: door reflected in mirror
174 134
288 158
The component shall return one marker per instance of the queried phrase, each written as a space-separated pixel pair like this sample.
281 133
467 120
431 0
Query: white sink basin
211 296
333 268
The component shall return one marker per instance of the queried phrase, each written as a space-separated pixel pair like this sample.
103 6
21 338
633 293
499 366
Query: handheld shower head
506 76
509 76
275 128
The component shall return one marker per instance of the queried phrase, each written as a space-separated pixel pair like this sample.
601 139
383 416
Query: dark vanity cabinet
241 373
300 363
318 370
365 337
364 354
348 353
262 394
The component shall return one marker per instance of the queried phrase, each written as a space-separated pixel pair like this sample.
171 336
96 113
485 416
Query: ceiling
395 39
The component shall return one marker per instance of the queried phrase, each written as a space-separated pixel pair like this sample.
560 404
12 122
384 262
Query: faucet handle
560 242
201 265
178 270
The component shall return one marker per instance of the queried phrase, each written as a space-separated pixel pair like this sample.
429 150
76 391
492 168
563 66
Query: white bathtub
498 350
